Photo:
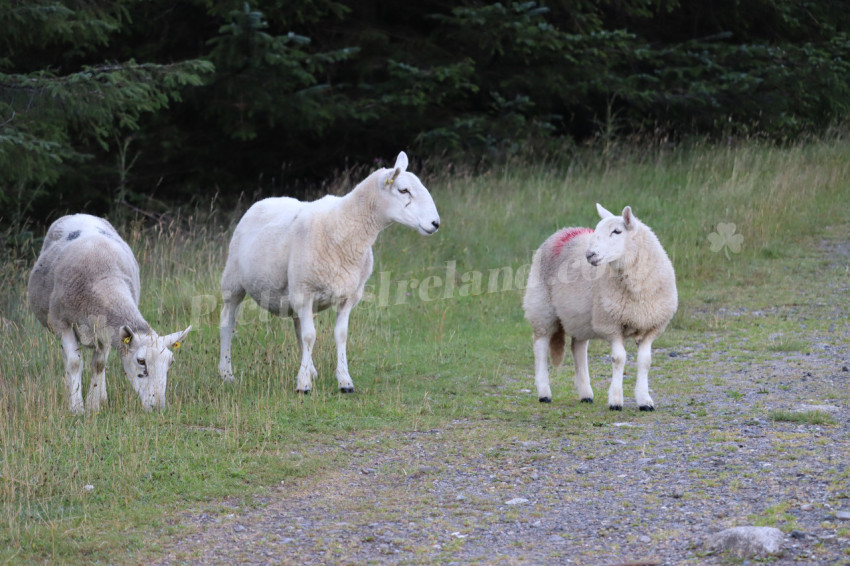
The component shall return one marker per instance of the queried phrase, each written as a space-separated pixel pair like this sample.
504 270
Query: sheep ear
126 335
628 218
176 338
400 163
603 213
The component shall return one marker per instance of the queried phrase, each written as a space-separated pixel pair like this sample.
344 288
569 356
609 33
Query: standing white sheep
296 258
85 288
613 283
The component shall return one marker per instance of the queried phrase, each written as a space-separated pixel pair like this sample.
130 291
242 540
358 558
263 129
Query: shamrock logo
725 239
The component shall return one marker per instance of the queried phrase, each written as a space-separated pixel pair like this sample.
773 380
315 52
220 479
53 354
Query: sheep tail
557 345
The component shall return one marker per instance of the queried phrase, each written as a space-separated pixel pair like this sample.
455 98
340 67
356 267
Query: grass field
441 329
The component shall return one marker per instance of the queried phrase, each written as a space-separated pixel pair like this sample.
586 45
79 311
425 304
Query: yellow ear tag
176 345
127 340
390 181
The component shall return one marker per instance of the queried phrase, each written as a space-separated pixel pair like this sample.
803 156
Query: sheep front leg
73 371
582 377
229 311
346 385
307 372
618 364
541 368
97 388
644 359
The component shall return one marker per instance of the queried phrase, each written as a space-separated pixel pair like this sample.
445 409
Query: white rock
516 501
744 542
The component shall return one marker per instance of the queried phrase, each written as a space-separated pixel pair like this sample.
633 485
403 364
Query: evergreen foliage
129 100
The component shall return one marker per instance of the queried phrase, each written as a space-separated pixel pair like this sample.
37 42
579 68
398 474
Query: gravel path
647 490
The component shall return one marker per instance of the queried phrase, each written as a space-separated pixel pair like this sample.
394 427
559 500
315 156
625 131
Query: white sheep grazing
296 258
613 283
85 288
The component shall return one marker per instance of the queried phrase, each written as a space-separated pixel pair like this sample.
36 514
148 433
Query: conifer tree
59 103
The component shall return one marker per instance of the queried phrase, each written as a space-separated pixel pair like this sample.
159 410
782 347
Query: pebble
516 501
239 528
843 515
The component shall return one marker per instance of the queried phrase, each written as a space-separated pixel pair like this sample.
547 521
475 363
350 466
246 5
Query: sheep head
406 199
611 238
146 358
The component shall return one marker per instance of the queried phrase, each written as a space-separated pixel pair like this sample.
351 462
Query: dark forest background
149 104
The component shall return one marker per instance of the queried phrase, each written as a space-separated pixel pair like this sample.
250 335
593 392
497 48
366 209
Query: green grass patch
802 417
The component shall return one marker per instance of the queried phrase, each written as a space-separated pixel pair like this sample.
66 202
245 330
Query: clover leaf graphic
725 239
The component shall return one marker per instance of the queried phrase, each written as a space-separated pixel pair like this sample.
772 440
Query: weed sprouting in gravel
803 417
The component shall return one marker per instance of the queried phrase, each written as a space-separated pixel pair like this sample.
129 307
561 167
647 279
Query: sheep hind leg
346 385
96 397
541 368
618 364
582 377
73 371
644 359
229 310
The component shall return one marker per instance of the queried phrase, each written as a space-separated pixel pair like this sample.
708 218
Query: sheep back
85 275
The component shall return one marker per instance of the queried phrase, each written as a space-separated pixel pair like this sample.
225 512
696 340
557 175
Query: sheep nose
591 257
435 224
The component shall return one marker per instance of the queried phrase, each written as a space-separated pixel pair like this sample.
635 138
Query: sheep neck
116 302
632 271
357 220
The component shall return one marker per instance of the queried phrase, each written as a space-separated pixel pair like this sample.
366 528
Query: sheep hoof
615 407
587 400
346 389
303 391
647 408
545 399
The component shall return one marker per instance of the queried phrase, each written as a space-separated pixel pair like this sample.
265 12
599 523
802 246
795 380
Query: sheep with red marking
611 283
85 288
296 258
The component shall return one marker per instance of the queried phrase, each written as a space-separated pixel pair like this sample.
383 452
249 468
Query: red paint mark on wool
566 235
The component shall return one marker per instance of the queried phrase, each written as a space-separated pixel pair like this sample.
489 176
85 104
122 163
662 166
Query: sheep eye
404 191
140 361
617 231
